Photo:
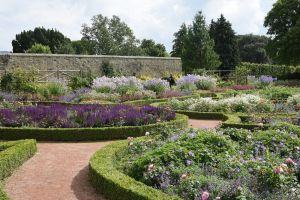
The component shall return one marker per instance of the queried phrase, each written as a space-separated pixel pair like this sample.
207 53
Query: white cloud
157 19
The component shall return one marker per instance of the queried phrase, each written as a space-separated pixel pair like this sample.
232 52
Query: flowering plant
221 164
156 85
62 116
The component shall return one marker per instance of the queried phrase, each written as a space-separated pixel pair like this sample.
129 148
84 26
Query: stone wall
127 65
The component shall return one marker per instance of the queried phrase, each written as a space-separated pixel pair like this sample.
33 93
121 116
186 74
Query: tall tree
197 49
283 22
179 41
150 48
225 43
252 48
47 37
110 36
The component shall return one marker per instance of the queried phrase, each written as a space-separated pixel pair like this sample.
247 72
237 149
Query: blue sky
156 19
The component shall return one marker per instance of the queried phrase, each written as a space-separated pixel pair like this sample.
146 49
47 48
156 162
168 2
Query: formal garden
252 154
222 123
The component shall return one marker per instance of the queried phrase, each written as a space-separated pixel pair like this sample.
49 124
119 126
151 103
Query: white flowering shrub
192 82
242 103
116 84
294 101
156 85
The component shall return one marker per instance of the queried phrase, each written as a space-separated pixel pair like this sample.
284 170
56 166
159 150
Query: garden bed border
14 154
114 184
87 134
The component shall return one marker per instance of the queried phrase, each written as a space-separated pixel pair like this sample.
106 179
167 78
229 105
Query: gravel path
59 171
204 124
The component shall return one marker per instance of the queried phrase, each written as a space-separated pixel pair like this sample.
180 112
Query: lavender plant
77 116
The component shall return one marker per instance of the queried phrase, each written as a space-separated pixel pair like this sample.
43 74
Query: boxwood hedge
12 155
116 185
85 134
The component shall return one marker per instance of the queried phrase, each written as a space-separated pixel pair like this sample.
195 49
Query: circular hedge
114 184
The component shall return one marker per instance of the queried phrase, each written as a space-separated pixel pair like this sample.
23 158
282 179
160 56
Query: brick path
59 171
204 124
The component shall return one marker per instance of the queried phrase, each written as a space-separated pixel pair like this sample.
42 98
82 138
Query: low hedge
229 120
85 134
12 155
116 185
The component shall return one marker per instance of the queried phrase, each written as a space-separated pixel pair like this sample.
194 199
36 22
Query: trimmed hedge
12 155
279 71
116 185
85 134
229 120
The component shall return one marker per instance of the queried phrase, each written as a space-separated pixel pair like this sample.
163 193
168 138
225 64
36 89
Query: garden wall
127 65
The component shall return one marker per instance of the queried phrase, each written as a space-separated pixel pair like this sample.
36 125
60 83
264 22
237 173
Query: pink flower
289 161
151 167
205 195
278 170
130 138
183 176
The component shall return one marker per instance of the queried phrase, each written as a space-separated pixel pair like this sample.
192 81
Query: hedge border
85 134
114 184
14 154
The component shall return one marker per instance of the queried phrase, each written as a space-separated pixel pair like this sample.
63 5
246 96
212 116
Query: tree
110 37
39 48
225 43
149 48
283 23
197 49
47 37
82 47
252 48
179 41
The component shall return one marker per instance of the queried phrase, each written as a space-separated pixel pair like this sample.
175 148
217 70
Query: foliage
224 164
107 70
242 103
85 80
12 155
18 80
39 48
120 85
87 134
54 88
195 46
225 43
252 48
57 115
279 71
192 82
110 36
149 48
156 85
283 23
47 37
82 47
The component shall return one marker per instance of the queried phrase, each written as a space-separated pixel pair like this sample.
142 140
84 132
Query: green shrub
113 183
279 71
107 70
51 89
86 134
19 80
12 155
83 81
39 48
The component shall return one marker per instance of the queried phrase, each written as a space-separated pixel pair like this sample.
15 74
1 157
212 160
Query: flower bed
242 103
85 134
12 155
222 164
80 116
